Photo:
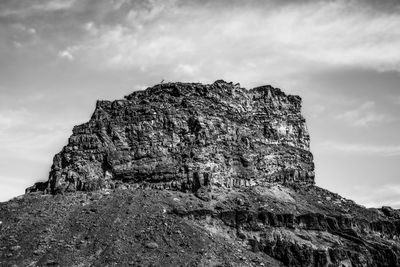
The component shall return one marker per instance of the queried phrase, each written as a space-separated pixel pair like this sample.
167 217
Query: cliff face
188 137
192 175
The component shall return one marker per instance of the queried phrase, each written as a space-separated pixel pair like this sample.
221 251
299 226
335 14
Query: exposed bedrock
186 137
303 232
239 168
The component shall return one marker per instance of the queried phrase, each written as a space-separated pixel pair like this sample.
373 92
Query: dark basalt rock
185 174
186 136
342 234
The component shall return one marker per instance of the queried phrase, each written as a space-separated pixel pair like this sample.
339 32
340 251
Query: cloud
364 115
23 28
17 34
17 44
91 27
67 54
27 8
54 5
151 10
117 4
359 149
248 38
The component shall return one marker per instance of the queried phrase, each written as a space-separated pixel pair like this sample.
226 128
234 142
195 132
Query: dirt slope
122 228
273 225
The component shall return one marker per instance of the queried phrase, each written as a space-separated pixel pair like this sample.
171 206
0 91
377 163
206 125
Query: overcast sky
342 57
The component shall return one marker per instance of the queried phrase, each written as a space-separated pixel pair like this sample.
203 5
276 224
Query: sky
341 56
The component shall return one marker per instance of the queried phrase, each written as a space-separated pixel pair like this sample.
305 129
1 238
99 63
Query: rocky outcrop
187 137
274 225
301 229
240 191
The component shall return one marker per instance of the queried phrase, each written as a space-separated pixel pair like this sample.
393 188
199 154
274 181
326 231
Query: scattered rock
152 245
51 263
15 248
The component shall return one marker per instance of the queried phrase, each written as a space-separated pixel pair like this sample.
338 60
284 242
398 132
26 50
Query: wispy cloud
91 28
66 54
335 33
24 28
359 149
54 5
26 8
364 115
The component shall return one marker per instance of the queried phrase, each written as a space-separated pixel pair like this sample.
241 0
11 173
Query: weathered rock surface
186 136
113 228
192 175
272 225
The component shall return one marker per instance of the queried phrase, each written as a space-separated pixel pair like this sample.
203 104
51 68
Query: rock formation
185 137
192 175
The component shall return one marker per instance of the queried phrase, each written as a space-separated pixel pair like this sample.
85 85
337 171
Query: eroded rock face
244 153
187 137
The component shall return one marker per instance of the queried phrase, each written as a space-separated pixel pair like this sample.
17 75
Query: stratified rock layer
187 137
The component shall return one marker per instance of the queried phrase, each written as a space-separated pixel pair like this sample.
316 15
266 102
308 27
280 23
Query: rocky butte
186 174
187 137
